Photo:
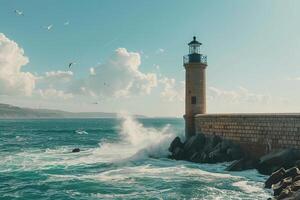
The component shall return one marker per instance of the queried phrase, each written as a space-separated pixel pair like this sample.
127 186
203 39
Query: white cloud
12 80
240 95
120 76
55 77
51 93
53 85
59 74
172 91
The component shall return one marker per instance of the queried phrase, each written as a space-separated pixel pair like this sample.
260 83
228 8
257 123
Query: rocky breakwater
285 184
202 149
214 149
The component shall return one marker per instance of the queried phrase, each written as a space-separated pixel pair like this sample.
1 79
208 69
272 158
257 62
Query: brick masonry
257 133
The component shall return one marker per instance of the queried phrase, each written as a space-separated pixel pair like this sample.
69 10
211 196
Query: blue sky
252 48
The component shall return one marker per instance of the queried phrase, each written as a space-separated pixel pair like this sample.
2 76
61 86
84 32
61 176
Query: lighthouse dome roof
195 42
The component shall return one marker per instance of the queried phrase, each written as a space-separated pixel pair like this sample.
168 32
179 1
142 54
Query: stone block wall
257 133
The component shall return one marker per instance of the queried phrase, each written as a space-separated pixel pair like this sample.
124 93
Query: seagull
48 27
71 63
18 12
66 23
96 102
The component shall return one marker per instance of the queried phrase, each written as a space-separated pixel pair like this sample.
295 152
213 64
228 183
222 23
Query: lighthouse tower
195 64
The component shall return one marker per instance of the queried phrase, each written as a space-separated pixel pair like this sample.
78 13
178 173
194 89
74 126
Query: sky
128 54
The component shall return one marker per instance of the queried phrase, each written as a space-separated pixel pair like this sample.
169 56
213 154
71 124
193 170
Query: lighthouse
195 64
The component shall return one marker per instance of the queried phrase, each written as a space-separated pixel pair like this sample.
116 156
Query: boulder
178 154
212 142
204 157
296 178
282 185
275 178
196 157
237 165
75 150
294 196
277 188
241 164
292 172
216 156
175 143
285 194
225 144
275 160
296 185
234 153
194 144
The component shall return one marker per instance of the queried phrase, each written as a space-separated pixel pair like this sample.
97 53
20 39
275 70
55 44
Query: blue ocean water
120 159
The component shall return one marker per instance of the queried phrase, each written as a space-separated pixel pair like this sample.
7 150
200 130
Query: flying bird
71 63
48 27
96 102
18 12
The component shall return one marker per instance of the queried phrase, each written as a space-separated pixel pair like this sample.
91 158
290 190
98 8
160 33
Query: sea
120 158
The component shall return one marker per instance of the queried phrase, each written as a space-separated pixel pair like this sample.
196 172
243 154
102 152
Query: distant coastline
14 112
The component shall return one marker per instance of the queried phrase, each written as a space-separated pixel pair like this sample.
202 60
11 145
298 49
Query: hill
13 112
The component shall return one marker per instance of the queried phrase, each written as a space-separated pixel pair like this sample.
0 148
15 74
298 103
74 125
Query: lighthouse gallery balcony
195 58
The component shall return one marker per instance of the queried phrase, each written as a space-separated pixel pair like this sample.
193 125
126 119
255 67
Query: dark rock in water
175 143
202 149
194 144
211 143
216 156
285 184
296 185
280 186
276 177
285 194
294 196
76 150
216 140
296 178
277 188
237 165
204 157
292 172
241 164
234 153
196 157
275 160
225 144
178 154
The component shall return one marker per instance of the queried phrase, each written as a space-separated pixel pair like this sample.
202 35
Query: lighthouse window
194 100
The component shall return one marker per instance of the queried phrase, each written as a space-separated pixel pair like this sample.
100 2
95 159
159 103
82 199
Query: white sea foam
136 142
247 187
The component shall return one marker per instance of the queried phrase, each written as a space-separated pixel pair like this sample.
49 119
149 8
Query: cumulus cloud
12 80
172 91
53 85
120 76
56 77
239 95
59 75
51 93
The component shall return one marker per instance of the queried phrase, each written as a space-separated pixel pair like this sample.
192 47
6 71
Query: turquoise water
120 159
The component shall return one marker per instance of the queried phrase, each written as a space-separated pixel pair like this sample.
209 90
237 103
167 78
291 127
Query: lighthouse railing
195 58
